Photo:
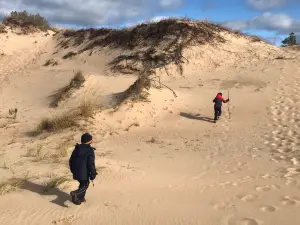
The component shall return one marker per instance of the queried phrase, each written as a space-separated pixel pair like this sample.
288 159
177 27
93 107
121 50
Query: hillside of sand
160 160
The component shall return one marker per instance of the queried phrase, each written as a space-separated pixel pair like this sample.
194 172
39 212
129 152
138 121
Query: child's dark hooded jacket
219 100
82 163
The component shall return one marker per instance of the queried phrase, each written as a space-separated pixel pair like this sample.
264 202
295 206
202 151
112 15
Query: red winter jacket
219 100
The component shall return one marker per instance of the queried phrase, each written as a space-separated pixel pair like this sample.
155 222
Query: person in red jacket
218 100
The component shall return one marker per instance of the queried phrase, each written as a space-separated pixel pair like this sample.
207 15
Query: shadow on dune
61 197
197 117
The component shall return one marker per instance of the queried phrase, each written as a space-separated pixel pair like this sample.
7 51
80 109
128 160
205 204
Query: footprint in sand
291 182
267 176
263 188
247 198
289 201
267 208
242 221
220 206
65 221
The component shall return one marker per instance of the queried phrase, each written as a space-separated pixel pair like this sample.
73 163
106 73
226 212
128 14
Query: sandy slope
162 161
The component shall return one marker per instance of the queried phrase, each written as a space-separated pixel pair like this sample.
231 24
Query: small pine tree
290 40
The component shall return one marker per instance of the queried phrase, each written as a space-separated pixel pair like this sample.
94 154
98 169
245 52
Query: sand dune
161 160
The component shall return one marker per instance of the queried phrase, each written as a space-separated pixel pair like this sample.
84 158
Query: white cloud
266 4
170 3
158 18
90 12
271 21
280 23
236 25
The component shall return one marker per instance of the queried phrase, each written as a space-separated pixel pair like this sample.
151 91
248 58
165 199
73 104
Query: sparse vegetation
55 182
11 185
135 92
50 62
26 21
58 122
3 29
8 166
13 113
256 39
66 91
69 55
61 151
87 109
152 140
132 125
147 48
37 153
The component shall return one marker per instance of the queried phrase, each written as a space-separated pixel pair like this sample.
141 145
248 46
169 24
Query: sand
161 161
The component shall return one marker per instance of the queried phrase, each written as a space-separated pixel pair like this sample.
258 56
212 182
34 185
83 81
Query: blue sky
266 18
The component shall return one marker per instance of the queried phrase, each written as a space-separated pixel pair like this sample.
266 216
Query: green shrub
26 20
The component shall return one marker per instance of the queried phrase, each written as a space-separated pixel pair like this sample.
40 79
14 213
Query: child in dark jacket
218 100
82 166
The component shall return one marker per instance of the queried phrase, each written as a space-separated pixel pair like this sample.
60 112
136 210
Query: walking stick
228 105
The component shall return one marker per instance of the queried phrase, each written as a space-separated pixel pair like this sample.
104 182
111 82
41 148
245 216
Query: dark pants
83 186
218 112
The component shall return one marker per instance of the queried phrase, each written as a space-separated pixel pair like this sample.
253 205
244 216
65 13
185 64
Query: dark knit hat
85 138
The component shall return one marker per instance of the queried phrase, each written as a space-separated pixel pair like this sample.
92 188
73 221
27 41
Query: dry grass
132 125
153 140
255 39
3 29
134 92
13 113
11 185
57 122
87 109
69 54
8 166
50 62
55 182
38 153
105 154
63 93
61 151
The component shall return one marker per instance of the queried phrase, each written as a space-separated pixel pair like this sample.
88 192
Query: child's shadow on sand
61 197
197 117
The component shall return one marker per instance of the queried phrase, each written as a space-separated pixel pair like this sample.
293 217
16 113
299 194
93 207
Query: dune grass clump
26 21
87 109
38 153
69 55
55 182
11 185
3 29
50 62
58 122
66 91
134 92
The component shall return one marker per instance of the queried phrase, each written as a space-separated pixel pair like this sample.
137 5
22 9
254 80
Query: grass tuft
55 182
63 93
57 123
11 185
